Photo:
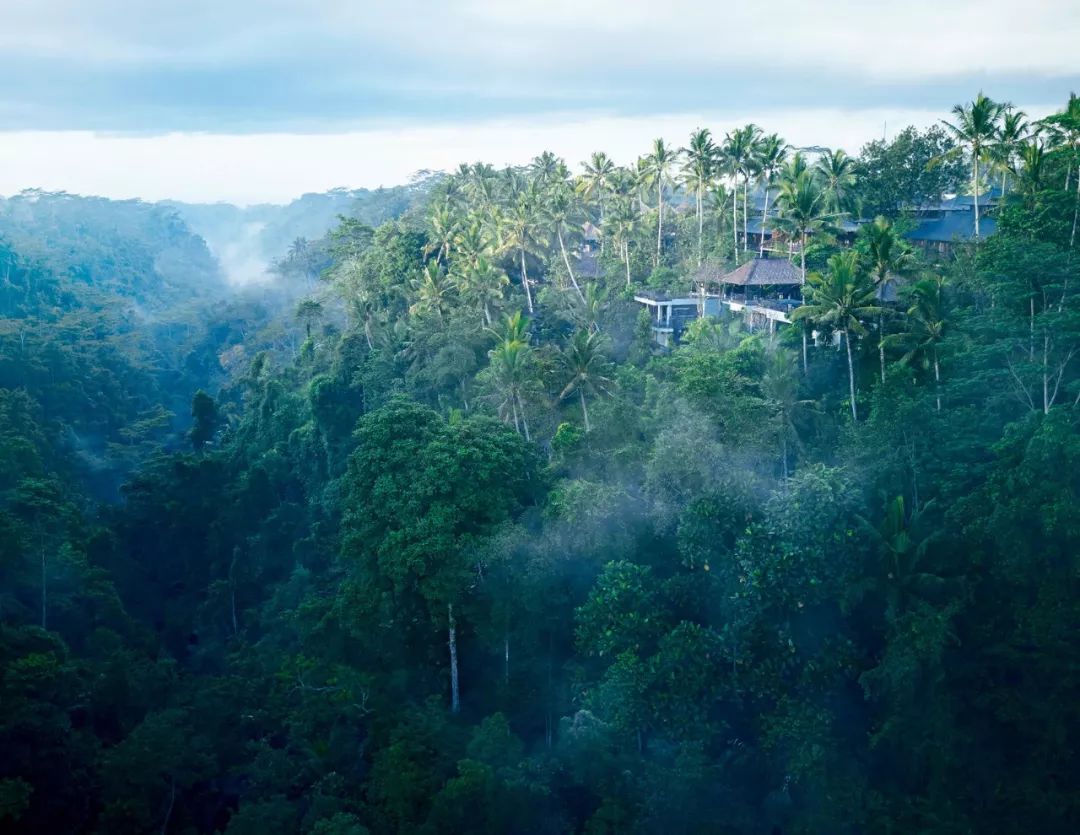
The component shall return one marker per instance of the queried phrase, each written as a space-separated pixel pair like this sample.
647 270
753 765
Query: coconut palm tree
561 212
780 387
434 291
843 299
658 165
513 372
443 226
699 161
739 150
1029 165
802 206
772 153
975 127
519 232
836 171
481 285
586 368
888 255
1011 136
622 222
926 328
1065 131
546 168
595 182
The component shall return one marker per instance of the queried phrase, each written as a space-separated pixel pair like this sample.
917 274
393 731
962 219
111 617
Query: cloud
333 65
276 167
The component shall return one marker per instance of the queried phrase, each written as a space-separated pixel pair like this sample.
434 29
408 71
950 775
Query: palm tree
433 292
976 128
546 168
888 255
1065 130
588 311
1028 166
623 221
595 183
561 212
519 231
1011 137
586 368
472 242
802 206
780 386
481 285
843 298
738 150
513 374
837 172
772 153
443 229
658 165
699 161
926 328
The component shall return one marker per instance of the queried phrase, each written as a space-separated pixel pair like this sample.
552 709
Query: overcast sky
261 100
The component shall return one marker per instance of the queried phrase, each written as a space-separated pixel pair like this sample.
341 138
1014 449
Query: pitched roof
758 272
589 232
952 226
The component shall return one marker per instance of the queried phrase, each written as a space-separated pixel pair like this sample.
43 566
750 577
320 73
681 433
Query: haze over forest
536 418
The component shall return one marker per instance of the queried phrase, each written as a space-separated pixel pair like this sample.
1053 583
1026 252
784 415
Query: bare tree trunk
851 375
172 802
881 344
506 655
735 215
464 398
524 422
566 260
700 225
626 258
455 696
1076 214
659 218
745 202
975 161
785 460
44 589
584 410
525 281
937 379
764 218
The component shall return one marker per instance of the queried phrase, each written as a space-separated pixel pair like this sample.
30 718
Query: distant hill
247 240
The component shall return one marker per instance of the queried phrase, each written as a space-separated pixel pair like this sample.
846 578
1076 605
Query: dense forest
422 532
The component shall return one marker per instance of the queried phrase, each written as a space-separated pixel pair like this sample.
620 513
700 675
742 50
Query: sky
261 100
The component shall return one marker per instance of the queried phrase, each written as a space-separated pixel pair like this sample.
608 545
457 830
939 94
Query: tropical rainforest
419 531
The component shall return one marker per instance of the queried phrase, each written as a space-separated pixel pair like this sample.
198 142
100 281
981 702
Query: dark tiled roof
958 226
758 272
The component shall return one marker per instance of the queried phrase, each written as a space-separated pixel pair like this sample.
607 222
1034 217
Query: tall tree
889 258
772 154
595 183
585 368
975 127
658 164
699 163
837 173
843 299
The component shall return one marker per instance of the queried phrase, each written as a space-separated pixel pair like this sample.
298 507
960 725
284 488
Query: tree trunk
506 655
524 422
745 201
169 809
764 217
1076 215
584 409
937 380
566 260
802 271
626 258
851 376
735 215
464 398
455 696
700 225
881 344
975 161
785 460
805 364
525 281
659 218
44 589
